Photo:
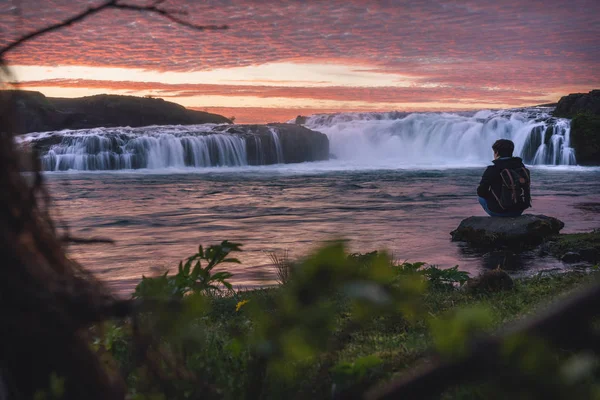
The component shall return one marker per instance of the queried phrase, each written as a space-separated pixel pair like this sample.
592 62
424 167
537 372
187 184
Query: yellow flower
240 305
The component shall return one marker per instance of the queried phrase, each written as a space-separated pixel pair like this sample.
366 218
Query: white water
358 141
155 148
100 152
278 147
444 138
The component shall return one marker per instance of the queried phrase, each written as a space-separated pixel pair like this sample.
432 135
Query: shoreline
395 344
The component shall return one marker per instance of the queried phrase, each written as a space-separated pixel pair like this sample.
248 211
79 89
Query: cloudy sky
284 58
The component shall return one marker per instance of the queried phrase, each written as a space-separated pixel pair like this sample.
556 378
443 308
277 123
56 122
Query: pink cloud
524 49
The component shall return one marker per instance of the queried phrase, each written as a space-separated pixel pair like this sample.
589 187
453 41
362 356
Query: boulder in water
521 232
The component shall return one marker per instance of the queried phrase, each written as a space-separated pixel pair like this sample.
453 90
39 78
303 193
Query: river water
158 217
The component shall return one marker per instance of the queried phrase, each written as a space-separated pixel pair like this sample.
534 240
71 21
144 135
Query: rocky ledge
584 109
574 247
526 231
578 103
298 144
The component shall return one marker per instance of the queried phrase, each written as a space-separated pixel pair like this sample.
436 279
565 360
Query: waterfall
278 147
357 140
446 138
153 148
101 152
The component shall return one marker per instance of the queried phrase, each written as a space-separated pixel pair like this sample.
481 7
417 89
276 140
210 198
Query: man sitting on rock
504 190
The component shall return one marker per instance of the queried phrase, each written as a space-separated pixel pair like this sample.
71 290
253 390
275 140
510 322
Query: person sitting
504 190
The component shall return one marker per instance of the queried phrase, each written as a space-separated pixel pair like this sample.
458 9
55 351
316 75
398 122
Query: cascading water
446 138
102 152
357 140
278 146
156 147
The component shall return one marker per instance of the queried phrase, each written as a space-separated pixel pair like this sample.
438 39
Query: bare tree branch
152 8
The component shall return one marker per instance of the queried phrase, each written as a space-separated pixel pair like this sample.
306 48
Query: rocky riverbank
506 238
584 110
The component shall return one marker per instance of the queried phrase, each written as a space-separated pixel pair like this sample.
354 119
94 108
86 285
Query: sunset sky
282 59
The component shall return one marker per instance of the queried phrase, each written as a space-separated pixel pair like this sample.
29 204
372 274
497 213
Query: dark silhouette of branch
567 325
115 4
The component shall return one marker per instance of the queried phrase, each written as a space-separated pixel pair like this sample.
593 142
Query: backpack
515 193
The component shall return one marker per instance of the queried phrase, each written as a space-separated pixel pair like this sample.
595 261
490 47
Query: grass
561 244
398 344
283 266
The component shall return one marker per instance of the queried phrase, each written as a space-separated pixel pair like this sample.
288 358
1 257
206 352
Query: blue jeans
484 205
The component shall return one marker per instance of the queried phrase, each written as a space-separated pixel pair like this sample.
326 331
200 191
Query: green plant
445 277
353 376
437 277
56 389
192 276
364 259
451 333
342 324
283 266
305 322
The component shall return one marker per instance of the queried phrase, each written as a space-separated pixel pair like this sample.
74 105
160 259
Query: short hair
504 147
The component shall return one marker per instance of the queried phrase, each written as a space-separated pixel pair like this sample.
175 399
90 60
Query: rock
517 233
300 120
585 245
491 281
571 257
585 139
584 109
35 112
298 144
590 255
578 103
504 259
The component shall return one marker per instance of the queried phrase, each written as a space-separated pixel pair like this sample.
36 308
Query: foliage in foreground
337 326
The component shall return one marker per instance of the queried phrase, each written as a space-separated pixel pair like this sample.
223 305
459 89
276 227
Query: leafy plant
437 277
364 259
351 376
191 276
451 333
304 323
56 389
445 277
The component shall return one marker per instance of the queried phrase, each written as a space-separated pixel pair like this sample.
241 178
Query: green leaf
219 276
452 333
57 386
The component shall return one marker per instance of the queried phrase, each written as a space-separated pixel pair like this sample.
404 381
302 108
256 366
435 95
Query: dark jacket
491 180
